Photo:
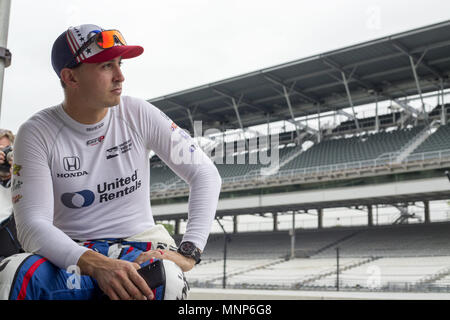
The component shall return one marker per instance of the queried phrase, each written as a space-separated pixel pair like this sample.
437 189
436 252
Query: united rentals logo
106 191
73 165
119 187
76 200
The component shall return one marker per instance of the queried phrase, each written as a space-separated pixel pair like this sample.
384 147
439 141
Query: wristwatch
188 249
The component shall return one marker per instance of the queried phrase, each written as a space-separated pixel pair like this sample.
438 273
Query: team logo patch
76 200
117 150
184 134
71 163
16 198
96 127
164 115
16 169
17 184
173 126
95 141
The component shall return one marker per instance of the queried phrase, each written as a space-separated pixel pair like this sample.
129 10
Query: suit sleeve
183 155
33 201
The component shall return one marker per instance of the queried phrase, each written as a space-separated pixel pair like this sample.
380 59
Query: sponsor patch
164 115
71 163
17 184
96 127
76 200
121 148
118 188
184 134
73 166
16 169
16 198
95 141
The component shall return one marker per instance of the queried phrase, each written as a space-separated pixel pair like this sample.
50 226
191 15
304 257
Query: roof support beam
350 101
292 88
236 110
242 100
288 101
397 45
416 79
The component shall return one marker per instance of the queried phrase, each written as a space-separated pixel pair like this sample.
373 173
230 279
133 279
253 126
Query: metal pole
443 109
337 268
349 96
5 7
318 123
293 236
236 110
224 279
377 119
419 89
288 101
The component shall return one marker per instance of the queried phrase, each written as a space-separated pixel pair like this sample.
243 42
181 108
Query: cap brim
126 52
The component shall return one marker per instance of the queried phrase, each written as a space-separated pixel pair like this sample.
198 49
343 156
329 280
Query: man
84 169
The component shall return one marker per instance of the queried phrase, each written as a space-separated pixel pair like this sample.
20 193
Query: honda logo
71 163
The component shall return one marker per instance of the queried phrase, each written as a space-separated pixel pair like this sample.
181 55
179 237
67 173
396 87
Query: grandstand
330 155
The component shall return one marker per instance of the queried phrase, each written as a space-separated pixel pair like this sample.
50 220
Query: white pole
5 6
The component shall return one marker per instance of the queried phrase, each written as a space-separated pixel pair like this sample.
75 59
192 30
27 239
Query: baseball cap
70 41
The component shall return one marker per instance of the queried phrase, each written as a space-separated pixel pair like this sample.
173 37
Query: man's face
100 84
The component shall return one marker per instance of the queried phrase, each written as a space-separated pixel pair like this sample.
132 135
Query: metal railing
385 160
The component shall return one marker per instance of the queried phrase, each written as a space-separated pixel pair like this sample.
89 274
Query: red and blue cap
66 51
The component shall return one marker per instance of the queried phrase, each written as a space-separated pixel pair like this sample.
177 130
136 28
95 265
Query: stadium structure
394 158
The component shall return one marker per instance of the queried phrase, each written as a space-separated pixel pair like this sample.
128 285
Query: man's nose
118 75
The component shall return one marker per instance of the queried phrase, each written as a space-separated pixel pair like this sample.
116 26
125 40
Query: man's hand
118 279
183 262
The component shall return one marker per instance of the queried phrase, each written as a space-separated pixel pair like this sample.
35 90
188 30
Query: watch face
187 247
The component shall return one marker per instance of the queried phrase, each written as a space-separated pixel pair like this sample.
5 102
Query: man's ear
69 77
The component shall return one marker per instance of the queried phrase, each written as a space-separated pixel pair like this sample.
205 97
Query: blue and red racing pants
27 276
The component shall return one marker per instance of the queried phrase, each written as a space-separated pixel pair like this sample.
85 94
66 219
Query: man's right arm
33 201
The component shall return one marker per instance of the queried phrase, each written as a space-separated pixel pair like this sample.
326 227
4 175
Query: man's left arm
183 155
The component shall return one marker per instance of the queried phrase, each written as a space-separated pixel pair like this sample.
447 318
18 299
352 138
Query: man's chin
113 102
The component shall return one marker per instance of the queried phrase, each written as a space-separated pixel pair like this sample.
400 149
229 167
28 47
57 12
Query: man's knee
32 277
176 286
9 268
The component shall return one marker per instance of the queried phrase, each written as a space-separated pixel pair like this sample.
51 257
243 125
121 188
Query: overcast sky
191 43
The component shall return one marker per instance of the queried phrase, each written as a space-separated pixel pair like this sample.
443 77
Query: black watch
188 249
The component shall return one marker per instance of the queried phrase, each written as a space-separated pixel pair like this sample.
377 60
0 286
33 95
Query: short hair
8 134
